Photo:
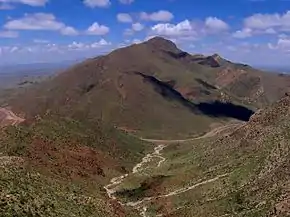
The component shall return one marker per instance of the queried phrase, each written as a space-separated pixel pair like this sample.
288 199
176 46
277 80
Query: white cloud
136 41
283 43
183 28
137 27
190 31
248 32
48 52
34 3
68 30
97 3
40 21
161 15
280 22
100 43
8 34
258 24
216 25
124 18
14 49
77 45
126 1
244 33
85 46
96 29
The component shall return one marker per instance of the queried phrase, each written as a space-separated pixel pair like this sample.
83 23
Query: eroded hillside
96 139
239 171
149 88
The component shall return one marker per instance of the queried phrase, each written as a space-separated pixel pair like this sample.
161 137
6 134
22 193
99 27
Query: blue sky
250 31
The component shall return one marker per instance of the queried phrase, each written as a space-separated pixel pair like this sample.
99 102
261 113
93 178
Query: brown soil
68 161
228 76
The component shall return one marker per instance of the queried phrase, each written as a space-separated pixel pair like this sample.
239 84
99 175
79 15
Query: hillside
75 132
240 170
149 88
58 167
247 84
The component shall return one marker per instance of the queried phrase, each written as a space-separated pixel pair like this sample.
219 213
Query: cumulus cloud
183 28
264 21
216 25
258 24
97 29
136 41
100 43
68 30
43 46
161 15
8 34
244 33
282 44
40 21
137 27
48 52
97 3
248 32
187 30
77 45
268 23
124 18
85 46
33 3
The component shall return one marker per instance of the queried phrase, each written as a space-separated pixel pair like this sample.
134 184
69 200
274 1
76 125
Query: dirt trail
7 117
176 192
149 157
141 205
212 133
112 187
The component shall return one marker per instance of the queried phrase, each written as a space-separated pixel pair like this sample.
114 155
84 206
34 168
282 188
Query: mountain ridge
82 128
104 87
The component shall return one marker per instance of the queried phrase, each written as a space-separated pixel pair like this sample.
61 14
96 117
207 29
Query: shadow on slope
213 109
221 109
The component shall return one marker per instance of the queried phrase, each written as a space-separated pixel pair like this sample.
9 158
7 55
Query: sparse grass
255 158
65 165
27 193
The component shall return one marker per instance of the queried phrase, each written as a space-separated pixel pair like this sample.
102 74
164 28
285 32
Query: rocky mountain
250 85
150 88
85 126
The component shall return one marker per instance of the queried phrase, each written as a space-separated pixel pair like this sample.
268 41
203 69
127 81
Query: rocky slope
149 88
71 144
58 167
240 172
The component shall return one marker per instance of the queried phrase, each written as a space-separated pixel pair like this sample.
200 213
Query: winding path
140 205
214 132
112 187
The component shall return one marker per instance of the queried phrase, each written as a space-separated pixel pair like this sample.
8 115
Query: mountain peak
162 43
217 57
